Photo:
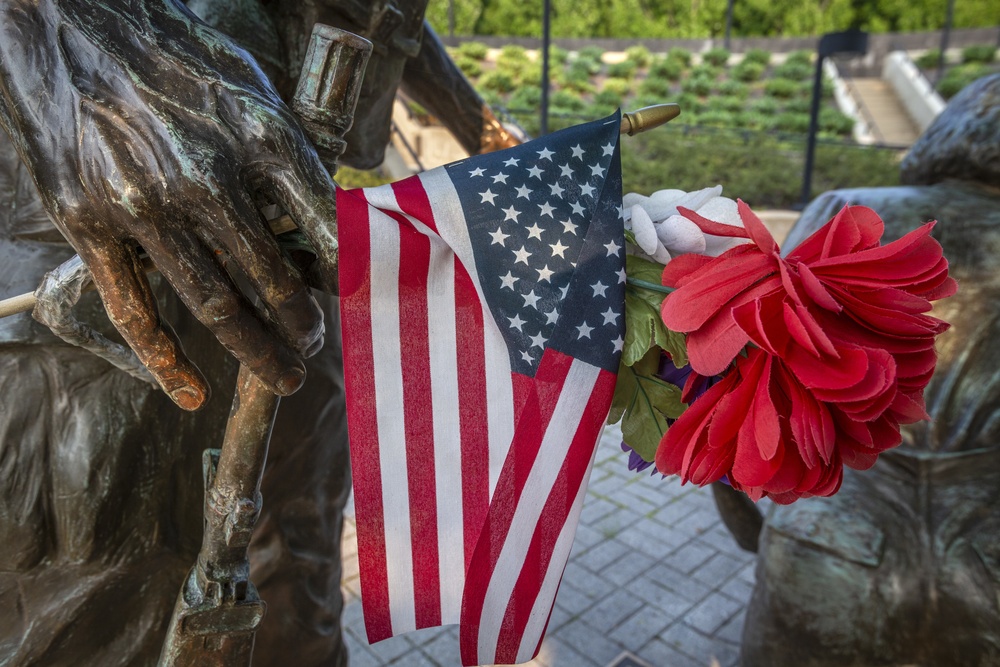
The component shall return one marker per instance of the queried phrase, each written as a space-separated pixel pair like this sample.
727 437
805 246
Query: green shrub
565 101
835 122
497 81
804 57
529 75
929 60
588 65
667 68
577 72
716 119
653 87
608 98
698 85
748 71
591 53
755 120
525 98
639 55
491 98
681 55
470 68
789 121
758 56
513 53
717 56
979 53
472 50
781 88
624 70
691 104
959 77
706 70
726 103
764 105
800 104
357 178
620 87
580 87
557 56
793 71
647 101
734 89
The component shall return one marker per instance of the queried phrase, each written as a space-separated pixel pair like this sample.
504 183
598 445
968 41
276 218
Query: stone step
881 108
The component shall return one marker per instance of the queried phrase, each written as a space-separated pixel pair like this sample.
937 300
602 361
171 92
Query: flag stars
583 331
508 281
556 189
546 209
600 289
535 172
609 149
510 213
578 208
596 170
545 154
612 248
538 341
499 237
587 190
568 228
566 170
476 172
526 356
545 273
535 232
558 248
500 178
552 316
488 196
521 255
610 316
621 276
516 322
523 192
512 162
577 152
618 343
531 299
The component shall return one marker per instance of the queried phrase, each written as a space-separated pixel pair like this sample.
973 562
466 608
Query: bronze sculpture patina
902 566
145 129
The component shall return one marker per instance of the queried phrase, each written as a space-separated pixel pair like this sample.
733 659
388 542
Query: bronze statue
902 566
144 129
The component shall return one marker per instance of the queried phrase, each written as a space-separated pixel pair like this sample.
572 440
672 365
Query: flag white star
552 316
516 322
556 189
535 172
587 190
609 316
512 162
621 276
523 191
618 343
577 151
487 196
522 255
538 341
612 247
568 228
545 154
599 288
476 172
597 170
527 357
566 170
535 231
583 331
609 149
577 208
498 237
621 212
531 299
509 280
500 178
563 290
510 213
558 248
546 209
545 273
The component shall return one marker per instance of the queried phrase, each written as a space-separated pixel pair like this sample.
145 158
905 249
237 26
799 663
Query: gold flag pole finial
634 122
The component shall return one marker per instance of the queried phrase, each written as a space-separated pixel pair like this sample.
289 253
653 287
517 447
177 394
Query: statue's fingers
210 294
119 277
239 227
305 191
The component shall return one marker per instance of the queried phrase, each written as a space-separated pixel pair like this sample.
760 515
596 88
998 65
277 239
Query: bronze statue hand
145 129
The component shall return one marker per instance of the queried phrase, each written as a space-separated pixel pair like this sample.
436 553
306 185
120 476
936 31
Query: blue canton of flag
546 225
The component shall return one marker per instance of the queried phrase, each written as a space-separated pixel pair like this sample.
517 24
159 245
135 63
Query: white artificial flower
661 232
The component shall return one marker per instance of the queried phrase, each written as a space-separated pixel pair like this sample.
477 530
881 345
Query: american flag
482 312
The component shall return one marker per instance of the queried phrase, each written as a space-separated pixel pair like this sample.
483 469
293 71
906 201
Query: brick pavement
652 572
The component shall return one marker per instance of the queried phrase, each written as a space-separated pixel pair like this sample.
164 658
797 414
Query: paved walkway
653 572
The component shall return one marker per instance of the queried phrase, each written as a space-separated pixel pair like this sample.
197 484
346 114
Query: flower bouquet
771 372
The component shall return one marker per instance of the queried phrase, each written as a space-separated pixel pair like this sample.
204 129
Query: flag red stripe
532 421
412 200
414 264
355 313
472 408
557 508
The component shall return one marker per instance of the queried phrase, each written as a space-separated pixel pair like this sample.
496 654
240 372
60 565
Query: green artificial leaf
630 237
643 269
640 327
647 317
646 402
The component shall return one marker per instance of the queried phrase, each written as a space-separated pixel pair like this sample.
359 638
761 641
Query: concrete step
881 108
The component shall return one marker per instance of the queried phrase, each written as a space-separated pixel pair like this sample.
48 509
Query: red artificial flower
842 349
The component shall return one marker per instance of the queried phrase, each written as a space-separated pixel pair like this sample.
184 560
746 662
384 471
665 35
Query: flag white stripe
550 584
570 407
388 374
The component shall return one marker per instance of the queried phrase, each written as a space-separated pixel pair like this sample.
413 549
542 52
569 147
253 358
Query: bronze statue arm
145 129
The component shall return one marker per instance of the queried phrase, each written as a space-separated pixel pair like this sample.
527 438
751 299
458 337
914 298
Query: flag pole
633 122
